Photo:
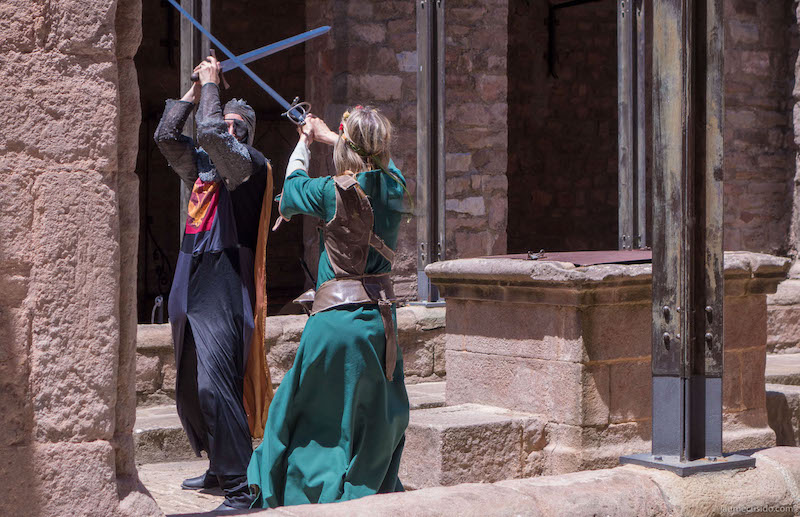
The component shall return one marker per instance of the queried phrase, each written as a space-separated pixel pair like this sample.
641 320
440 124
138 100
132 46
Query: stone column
68 234
570 348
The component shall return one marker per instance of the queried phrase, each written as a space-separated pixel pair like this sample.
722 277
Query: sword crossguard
298 111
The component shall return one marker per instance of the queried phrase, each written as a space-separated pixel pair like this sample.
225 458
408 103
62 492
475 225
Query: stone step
159 437
467 443
783 410
783 369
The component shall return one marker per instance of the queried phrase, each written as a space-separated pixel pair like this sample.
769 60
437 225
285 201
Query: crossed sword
296 111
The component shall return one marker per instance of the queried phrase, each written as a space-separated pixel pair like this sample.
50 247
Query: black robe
212 297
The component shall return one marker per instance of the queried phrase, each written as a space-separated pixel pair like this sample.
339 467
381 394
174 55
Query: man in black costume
212 301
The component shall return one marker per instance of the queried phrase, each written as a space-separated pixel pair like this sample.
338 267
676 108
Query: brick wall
761 49
477 134
371 58
562 140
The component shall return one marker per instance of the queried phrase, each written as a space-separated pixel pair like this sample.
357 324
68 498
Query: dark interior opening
562 127
241 26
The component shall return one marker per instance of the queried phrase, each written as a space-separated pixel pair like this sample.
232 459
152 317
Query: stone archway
68 259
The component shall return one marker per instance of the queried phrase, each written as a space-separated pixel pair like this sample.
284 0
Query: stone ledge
158 436
420 330
622 491
560 283
783 369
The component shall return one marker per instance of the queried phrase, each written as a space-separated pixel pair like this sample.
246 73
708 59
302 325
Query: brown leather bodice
349 236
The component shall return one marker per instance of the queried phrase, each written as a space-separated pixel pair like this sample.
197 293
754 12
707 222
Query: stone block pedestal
568 348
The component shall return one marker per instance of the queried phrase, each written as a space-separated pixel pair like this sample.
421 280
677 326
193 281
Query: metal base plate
438 303
687 468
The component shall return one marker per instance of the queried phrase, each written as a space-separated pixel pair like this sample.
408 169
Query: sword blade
264 86
268 50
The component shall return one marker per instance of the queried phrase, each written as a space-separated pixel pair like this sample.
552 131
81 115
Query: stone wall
562 132
68 259
371 58
421 335
476 65
768 489
567 350
761 48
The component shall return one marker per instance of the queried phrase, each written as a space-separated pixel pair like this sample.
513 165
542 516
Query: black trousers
210 397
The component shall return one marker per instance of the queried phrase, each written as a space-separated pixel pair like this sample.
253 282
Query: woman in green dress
336 426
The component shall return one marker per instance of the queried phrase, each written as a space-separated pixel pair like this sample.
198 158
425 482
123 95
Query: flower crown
371 157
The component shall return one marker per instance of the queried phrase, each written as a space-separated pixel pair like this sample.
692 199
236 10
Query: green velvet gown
336 426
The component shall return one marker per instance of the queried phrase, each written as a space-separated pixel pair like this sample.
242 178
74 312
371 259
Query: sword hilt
196 77
297 111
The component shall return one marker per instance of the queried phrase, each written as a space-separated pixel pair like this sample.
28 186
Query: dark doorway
562 127
241 26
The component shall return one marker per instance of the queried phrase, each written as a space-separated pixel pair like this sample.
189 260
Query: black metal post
430 144
688 114
631 120
194 47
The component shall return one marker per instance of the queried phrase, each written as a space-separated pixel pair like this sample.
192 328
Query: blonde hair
365 141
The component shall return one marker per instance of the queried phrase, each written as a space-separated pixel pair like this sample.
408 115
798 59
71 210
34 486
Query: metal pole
631 123
194 47
431 177
687 347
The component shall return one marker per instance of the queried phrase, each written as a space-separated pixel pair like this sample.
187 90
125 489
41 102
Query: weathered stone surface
16 411
730 492
163 481
520 384
783 409
617 492
746 430
783 323
542 332
125 411
75 327
75 127
615 331
630 396
154 336
76 478
148 374
744 332
783 369
158 436
787 461
456 444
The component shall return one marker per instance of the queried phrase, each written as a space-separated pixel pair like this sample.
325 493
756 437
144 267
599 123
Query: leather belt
363 290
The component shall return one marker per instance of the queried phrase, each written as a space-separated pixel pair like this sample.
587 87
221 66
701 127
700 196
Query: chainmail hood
240 107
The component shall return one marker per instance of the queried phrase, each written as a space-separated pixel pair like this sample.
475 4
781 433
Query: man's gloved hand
208 71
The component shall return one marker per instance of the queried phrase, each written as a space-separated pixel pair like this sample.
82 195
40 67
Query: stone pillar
570 347
69 229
